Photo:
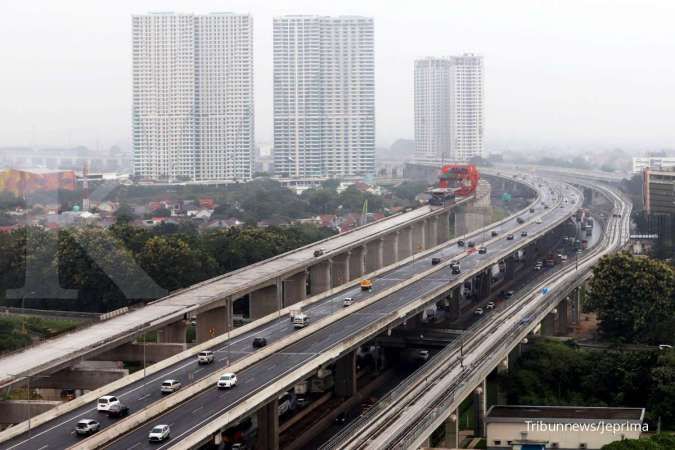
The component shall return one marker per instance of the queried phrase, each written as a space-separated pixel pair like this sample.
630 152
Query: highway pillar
174 332
357 262
576 306
265 300
345 375
374 255
319 277
431 232
340 268
455 299
390 248
213 322
452 430
405 243
562 318
480 406
510 269
443 228
548 325
419 236
295 288
268 426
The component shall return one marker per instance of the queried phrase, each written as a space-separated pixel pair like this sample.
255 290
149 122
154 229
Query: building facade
193 111
641 163
449 108
324 96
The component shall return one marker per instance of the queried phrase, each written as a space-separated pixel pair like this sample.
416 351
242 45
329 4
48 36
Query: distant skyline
572 75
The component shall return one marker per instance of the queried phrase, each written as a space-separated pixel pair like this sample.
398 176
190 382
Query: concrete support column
454 304
390 248
405 243
431 232
319 277
295 288
213 322
374 255
510 269
357 262
576 306
268 426
174 332
562 318
443 228
480 407
265 300
548 325
340 268
452 430
345 375
419 236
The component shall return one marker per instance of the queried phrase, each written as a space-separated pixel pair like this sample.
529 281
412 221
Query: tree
631 295
663 395
408 190
161 212
125 214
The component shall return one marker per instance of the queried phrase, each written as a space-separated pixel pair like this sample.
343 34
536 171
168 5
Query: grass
17 332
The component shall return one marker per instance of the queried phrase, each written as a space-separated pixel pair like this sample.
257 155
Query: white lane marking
198 370
43 447
135 445
197 409
143 397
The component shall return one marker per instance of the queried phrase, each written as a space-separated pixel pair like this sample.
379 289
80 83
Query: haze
562 74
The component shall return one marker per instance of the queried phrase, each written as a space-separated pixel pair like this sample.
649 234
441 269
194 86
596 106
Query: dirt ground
586 329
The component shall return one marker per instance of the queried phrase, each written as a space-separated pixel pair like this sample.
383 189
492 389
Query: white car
348 301
87 426
227 380
159 433
538 220
490 305
170 386
478 311
205 357
104 403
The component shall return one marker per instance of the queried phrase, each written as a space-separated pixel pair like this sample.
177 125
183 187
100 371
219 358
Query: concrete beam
268 426
295 288
265 301
319 277
345 375
374 255
79 378
357 262
16 411
390 248
340 269
149 352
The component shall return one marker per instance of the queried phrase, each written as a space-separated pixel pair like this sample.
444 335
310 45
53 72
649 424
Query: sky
562 75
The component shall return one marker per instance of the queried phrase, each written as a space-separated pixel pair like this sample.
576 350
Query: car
318 252
227 380
118 410
348 301
341 419
159 433
87 426
301 401
435 261
472 244
478 311
421 355
455 268
482 250
170 386
545 206
460 243
520 220
205 357
490 305
509 237
104 403
538 220
259 342
509 294
665 347
537 267
494 233
531 210
523 234
525 321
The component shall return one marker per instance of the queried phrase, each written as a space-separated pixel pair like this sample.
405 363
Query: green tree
631 295
663 395
125 214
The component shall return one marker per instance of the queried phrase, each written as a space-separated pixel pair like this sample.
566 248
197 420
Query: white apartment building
324 96
449 108
193 112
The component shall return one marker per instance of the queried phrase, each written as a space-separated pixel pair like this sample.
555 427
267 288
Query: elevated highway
407 416
200 411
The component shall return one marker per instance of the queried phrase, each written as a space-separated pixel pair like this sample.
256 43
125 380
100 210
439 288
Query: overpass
184 365
199 412
430 397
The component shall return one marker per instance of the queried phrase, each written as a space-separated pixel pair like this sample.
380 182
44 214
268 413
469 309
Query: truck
366 284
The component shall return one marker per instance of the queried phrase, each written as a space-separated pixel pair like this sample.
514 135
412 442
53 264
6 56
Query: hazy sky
569 74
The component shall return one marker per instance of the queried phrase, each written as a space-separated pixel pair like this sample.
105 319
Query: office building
641 163
193 96
449 110
324 96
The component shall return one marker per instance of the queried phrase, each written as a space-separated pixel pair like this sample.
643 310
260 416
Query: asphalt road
58 434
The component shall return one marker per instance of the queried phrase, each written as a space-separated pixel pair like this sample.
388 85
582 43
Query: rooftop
564 412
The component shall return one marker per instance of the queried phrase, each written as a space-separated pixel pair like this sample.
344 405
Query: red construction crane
463 177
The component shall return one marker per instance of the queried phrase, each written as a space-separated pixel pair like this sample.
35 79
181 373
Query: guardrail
114 313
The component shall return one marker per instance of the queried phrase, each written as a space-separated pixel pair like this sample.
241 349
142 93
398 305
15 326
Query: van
435 261
348 301
104 403
300 320
170 386
205 357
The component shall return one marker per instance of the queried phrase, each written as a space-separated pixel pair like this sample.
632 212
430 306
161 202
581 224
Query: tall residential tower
449 109
193 96
324 96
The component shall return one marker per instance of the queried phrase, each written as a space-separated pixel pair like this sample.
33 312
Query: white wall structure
324 96
449 107
193 114
641 163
